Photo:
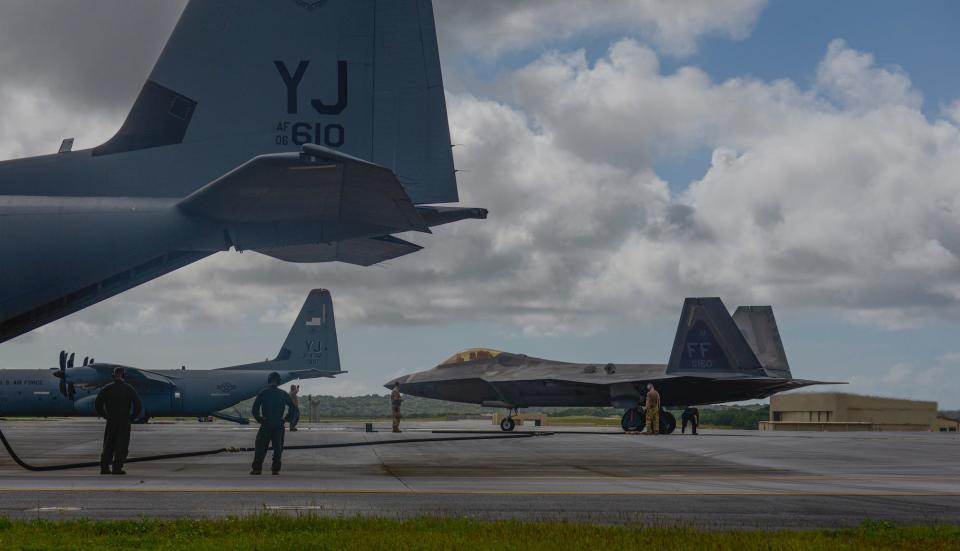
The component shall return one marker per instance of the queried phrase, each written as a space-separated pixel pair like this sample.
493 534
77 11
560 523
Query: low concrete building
835 411
947 424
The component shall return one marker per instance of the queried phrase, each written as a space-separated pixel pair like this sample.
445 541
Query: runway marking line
476 492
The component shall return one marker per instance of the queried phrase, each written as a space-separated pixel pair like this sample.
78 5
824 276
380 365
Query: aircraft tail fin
759 327
242 79
311 345
709 341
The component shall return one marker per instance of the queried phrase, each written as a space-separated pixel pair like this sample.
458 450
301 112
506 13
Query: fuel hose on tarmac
162 457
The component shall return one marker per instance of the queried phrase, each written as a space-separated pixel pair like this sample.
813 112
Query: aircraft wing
131 374
97 375
317 185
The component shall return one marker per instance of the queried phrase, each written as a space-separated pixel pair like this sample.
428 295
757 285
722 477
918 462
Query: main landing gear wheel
507 424
668 423
633 420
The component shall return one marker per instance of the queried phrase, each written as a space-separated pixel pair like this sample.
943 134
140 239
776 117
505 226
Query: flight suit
395 401
294 416
652 412
692 416
119 404
268 410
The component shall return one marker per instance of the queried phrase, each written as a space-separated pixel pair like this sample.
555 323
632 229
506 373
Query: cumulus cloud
852 78
952 111
32 122
88 55
492 27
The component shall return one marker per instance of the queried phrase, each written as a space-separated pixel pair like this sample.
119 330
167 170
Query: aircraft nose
398 381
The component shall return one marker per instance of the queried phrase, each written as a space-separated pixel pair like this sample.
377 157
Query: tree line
375 406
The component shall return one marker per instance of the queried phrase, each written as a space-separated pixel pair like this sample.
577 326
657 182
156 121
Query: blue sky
587 168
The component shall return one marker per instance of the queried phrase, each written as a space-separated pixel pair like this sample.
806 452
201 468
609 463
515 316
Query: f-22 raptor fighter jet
308 131
310 351
716 358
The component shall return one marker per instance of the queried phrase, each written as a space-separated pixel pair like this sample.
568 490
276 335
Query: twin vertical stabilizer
710 340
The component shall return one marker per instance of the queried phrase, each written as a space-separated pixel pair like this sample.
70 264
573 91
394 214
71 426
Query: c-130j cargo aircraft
306 130
716 358
310 351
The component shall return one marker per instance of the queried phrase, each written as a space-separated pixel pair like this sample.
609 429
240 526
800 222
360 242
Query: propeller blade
63 360
85 360
70 359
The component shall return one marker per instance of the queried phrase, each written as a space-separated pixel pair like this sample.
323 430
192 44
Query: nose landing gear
507 424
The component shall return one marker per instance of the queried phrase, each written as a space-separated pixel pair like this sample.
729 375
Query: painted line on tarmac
686 478
879 493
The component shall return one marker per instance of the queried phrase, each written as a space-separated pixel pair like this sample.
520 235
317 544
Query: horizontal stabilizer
785 385
362 252
309 374
288 187
438 216
708 341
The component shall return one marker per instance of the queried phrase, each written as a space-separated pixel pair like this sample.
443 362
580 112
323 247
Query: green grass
282 532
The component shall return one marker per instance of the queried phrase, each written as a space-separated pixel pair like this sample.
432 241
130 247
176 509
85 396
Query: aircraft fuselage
196 393
555 384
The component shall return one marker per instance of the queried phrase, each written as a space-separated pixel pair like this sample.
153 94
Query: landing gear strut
507 424
635 420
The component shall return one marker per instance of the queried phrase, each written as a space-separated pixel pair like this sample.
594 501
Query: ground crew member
652 410
395 401
294 415
268 410
692 416
119 404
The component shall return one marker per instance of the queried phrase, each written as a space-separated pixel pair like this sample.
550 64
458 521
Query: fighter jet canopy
471 354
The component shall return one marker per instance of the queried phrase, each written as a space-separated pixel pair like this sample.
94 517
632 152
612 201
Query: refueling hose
43 468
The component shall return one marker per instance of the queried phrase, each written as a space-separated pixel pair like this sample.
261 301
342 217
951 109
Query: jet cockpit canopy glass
470 355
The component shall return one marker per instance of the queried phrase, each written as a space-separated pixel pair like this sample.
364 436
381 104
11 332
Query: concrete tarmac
719 479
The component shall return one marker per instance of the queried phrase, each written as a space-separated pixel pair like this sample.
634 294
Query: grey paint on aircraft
712 362
309 351
321 161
